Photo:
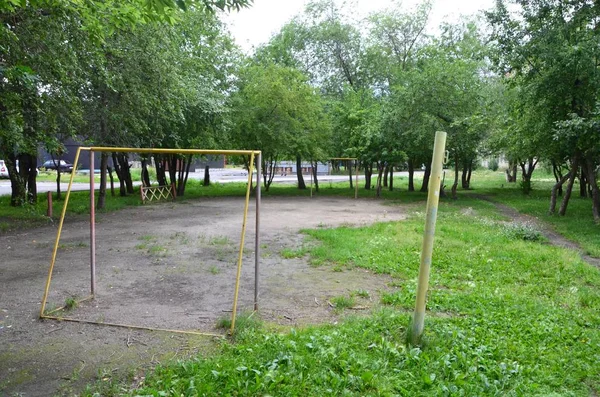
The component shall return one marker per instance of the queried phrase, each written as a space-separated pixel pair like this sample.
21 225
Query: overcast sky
255 25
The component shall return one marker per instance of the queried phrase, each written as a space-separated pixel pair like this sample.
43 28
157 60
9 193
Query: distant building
289 167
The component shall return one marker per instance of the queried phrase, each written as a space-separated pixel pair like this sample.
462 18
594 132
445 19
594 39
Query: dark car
62 165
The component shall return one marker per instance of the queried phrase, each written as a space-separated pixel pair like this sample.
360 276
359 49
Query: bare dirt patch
166 266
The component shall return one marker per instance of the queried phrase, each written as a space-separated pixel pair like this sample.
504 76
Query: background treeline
519 82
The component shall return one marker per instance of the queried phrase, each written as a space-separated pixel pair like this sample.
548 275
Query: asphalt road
216 175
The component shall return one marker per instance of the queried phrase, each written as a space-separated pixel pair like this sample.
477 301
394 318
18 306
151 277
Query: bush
493 165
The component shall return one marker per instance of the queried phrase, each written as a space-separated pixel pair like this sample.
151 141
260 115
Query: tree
550 49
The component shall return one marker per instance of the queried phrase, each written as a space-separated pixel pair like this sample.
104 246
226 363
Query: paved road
216 175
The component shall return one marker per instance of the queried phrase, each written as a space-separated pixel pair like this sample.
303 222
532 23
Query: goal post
254 154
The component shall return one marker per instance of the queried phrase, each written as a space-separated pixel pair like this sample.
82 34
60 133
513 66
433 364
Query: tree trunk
511 172
268 170
102 192
112 181
350 176
380 170
58 192
411 176
301 184
119 172
463 177
593 183
583 185
368 174
17 187
573 174
426 176
145 173
314 165
455 185
555 189
206 176
161 176
556 170
126 172
391 178
386 171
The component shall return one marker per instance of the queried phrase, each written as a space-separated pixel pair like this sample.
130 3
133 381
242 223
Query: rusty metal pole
356 183
257 231
92 226
433 199
49 200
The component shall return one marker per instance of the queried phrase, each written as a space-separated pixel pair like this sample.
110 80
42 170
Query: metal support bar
433 198
356 176
92 227
60 226
257 231
241 252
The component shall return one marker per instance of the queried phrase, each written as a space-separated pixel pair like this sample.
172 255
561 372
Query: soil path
553 237
166 266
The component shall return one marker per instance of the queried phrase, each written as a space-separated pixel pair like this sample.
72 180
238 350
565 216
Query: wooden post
433 198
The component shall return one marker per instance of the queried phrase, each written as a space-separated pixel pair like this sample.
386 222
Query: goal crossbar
252 153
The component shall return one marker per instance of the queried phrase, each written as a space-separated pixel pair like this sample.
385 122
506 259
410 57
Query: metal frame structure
252 153
350 168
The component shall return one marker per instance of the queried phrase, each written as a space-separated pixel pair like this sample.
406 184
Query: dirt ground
166 266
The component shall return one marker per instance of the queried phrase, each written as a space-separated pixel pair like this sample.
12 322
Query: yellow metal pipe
433 198
241 253
76 320
60 226
170 151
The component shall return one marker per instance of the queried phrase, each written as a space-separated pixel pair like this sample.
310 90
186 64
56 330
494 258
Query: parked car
62 165
3 170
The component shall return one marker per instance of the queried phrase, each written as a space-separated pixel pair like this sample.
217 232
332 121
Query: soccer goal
60 312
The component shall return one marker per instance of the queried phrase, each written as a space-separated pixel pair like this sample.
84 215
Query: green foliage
493 164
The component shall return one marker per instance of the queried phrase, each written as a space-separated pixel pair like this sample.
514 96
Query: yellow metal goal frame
252 153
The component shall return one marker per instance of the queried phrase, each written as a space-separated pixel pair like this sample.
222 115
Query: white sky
255 25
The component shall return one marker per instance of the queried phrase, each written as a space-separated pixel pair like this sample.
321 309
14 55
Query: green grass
342 302
507 316
508 313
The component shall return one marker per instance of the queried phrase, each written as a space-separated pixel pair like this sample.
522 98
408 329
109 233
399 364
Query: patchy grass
507 316
342 302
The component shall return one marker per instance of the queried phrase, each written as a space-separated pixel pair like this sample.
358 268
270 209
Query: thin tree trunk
411 176
455 185
380 170
386 172
583 188
301 184
102 193
555 189
314 165
145 173
119 172
573 174
391 178
593 183
368 174
350 176
426 176
206 176
159 165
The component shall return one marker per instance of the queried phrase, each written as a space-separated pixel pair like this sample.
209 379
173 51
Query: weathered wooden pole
433 198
